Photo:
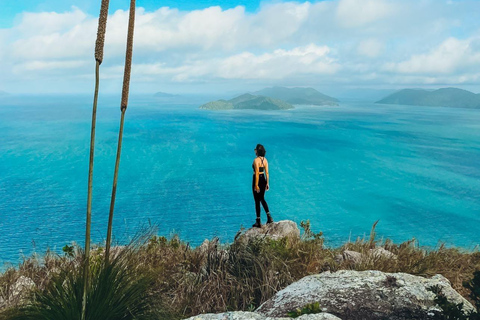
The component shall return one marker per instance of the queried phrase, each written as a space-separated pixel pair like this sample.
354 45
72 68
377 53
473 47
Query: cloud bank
328 43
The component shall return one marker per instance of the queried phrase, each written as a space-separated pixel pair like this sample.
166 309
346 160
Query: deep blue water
416 169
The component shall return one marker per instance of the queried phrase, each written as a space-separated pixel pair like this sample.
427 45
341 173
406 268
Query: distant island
304 96
3 93
275 98
248 101
164 95
445 97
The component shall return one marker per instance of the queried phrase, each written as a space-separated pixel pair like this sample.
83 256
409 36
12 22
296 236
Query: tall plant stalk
99 44
123 108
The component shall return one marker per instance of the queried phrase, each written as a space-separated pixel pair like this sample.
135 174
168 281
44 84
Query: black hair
260 150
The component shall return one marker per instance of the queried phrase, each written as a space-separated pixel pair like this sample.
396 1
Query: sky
206 46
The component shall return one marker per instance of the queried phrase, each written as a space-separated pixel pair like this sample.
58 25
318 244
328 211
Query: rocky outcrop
276 231
357 257
364 295
18 292
240 315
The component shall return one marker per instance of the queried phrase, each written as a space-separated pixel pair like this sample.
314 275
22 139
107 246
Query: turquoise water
416 169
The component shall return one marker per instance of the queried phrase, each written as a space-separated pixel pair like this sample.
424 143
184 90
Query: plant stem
114 189
89 196
99 44
123 108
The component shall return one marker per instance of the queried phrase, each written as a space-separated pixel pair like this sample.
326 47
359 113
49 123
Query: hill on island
164 95
248 101
445 97
308 96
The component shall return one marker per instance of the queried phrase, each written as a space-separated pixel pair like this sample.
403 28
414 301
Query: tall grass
120 290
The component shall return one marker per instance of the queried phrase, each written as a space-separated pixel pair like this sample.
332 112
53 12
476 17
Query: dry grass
241 276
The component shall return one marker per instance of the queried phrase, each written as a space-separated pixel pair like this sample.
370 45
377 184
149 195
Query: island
248 101
164 95
444 97
304 96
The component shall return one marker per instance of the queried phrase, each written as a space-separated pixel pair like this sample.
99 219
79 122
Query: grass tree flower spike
102 23
102 26
123 108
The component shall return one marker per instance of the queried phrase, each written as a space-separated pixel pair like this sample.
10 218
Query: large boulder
240 315
365 295
275 231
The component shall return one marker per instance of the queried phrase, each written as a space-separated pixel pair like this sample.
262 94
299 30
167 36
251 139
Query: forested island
275 98
306 96
248 101
444 97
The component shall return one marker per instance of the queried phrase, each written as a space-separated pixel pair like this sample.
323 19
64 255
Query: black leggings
260 196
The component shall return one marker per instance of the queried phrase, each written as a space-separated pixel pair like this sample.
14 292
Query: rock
207 244
236 315
275 231
357 257
379 253
241 315
349 255
365 295
21 288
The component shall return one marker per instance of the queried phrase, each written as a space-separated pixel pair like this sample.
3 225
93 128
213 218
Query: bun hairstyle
260 150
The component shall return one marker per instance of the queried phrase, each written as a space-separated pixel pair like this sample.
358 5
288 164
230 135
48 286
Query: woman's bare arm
257 169
267 175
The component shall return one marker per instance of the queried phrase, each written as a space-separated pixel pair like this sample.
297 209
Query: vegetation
445 97
117 290
248 101
307 96
217 277
307 309
453 311
217 105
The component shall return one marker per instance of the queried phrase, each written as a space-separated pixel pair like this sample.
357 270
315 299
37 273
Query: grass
119 290
186 281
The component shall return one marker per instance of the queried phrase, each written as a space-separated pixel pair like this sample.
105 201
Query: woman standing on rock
260 183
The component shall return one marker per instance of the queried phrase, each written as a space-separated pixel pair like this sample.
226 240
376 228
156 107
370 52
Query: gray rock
364 295
357 257
20 289
275 231
380 252
348 255
241 315
207 244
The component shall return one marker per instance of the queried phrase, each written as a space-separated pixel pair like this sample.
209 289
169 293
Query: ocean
188 171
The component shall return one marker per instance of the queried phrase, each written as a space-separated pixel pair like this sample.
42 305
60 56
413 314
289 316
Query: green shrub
474 287
307 309
450 310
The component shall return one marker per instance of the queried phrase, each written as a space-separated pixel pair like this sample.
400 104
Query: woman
260 183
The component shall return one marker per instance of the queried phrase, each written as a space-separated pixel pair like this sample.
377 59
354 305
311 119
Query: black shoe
269 218
257 224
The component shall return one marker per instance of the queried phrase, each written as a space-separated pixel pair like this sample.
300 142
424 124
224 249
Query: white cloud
451 56
338 41
357 13
278 64
50 65
370 48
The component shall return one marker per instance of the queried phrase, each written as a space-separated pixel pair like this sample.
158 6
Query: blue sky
207 46
11 8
